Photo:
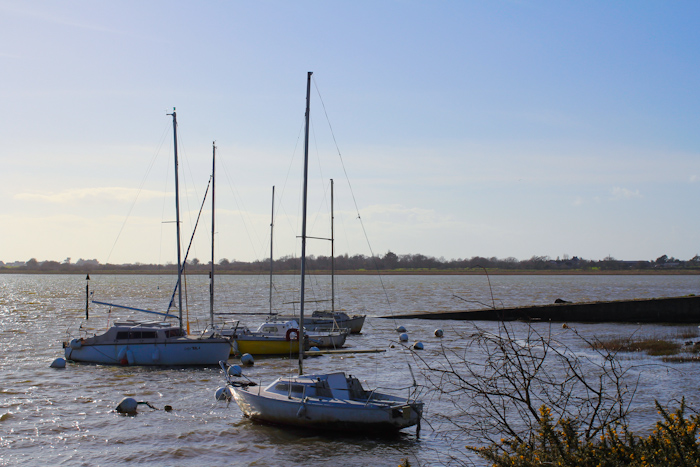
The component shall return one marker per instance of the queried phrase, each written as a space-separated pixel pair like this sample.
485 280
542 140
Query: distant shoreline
426 272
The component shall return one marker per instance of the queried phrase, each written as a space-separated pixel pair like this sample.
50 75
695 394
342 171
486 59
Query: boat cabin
278 328
330 386
126 331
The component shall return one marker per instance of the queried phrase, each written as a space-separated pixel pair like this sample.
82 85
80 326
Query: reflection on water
66 416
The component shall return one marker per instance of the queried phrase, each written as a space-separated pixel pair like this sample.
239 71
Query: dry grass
651 346
682 359
655 345
687 332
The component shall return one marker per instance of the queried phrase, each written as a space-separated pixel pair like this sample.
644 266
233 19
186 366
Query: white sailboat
281 340
334 401
151 342
284 326
330 320
281 327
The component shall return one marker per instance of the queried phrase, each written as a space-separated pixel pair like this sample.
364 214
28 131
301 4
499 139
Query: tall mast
177 221
272 226
332 256
303 225
211 274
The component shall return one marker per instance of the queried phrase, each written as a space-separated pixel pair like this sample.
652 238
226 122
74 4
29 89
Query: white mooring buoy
403 337
247 359
223 394
438 333
235 370
418 346
128 406
401 329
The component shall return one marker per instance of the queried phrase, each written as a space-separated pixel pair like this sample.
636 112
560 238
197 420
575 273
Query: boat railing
371 393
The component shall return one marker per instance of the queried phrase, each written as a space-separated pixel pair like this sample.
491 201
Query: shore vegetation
389 263
654 345
524 397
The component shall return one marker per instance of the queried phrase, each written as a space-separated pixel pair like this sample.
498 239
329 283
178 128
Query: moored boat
147 343
329 320
327 339
333 401
258 343
151 342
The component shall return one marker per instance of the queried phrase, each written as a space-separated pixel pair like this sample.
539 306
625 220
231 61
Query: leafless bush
494 388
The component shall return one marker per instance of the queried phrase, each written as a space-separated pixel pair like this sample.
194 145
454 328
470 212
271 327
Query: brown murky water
65 417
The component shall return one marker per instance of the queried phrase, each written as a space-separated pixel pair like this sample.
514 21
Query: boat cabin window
121 335
269 329
356 389
297 390
323 390
174 333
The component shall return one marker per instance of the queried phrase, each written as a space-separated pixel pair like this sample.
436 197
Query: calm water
65 417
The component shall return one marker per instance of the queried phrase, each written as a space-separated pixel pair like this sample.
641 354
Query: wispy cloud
49 17
392 212
100 193
619 193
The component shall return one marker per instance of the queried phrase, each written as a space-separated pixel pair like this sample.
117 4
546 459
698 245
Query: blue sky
466 128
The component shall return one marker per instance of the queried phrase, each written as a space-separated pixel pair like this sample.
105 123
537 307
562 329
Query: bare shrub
496 387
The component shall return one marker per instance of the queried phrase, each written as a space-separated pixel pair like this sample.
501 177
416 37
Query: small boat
333 401
329 402
147 343
150 342
322 339
329 320
263 343
278 336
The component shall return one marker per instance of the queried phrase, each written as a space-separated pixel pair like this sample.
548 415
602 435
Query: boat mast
303 225
211 274
177 221
332 257
272 226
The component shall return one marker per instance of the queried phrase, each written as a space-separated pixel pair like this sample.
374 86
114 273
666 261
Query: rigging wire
241 209
140 189
186 164
166 183
364 230
354 199
280 197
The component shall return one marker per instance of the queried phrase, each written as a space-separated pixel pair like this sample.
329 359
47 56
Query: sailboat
331 320
144 343
278 335
334 401
279 325
283 339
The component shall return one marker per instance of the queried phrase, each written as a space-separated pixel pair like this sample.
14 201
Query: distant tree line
359 263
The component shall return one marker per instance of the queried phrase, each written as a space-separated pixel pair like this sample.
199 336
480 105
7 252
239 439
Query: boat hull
176 352
265 346
328 414
330 340
326 322
321 324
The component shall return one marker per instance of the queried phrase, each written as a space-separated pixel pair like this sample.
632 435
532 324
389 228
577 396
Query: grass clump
655 345
652 345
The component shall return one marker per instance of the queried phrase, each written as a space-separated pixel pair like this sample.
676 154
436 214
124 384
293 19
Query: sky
451 129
